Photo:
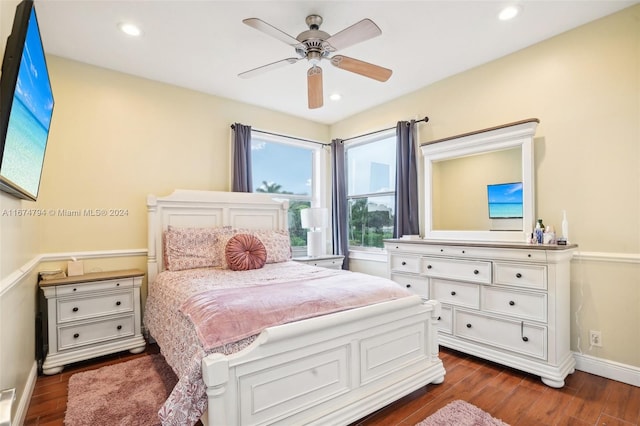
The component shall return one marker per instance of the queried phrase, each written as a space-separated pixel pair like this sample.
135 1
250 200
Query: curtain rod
426 119
233 126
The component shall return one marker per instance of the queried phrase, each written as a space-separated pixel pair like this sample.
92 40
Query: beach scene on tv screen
30 118
505 201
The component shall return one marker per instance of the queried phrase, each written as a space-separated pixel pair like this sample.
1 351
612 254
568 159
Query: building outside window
371 181
290 168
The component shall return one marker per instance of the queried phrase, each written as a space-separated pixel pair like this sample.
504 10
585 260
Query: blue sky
286 165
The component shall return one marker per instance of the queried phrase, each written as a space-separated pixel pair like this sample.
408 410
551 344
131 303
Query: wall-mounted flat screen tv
505 200
26 106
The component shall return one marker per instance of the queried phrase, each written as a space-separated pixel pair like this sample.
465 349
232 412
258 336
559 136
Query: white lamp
314 219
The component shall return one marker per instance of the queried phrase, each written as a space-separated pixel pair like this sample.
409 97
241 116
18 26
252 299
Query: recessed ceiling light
335 96
508 12
130 29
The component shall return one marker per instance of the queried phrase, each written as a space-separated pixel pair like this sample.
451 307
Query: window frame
319 160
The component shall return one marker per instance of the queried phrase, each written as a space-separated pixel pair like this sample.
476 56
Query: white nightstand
92 315
331 261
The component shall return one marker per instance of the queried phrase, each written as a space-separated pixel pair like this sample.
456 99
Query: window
289 168
371 195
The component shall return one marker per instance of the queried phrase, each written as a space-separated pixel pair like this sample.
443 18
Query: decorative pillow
244 252
277 243
189 248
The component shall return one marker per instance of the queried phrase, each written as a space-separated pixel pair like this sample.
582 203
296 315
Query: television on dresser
26 106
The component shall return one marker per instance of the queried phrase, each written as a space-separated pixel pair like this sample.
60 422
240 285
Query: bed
334 368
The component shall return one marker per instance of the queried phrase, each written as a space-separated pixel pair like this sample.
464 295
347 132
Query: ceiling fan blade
268 29
314 87
360 67
268 67
360 31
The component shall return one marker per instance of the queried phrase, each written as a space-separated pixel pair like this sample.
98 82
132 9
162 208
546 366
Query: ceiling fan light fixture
509 12
130 29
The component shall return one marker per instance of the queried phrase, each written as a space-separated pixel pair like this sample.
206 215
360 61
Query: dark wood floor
515 397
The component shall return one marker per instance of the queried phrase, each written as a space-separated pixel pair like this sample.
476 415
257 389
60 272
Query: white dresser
505 302
92 315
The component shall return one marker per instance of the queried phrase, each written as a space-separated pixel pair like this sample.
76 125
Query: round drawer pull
511 303
75 309
408 285
476 272
468 325
118 285
429 266
75 289
518 275
75 336
463 252
439 318
404 263
441 250
525 339
119 327
529 255
118 303
453 293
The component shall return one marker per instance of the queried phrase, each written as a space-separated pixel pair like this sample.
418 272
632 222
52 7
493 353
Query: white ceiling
203 45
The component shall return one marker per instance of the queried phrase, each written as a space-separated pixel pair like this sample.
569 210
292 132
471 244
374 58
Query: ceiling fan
315 45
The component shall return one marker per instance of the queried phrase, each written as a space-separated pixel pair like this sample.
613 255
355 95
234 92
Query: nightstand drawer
326 263
87 333
77 308
521 275
456 293
466 270
92 287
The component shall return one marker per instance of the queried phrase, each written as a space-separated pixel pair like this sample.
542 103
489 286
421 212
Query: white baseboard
23 404
610 369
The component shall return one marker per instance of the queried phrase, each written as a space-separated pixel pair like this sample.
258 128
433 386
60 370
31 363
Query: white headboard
190 208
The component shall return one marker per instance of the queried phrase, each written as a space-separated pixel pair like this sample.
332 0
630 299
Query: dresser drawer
514 336
468 270
74 335
445 320
92 287
515 303
456 293
78 308
405 263
413 283
521 275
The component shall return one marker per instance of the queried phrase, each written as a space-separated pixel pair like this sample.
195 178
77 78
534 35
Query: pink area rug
129 393
461 413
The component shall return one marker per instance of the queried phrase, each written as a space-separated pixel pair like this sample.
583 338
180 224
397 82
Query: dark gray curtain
407 220
339 202
242 179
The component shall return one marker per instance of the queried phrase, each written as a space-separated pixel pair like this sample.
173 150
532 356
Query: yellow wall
584 86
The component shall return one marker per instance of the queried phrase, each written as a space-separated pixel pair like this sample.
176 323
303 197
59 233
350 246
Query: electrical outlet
595 338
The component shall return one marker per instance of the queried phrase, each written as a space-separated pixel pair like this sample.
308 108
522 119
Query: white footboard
332 369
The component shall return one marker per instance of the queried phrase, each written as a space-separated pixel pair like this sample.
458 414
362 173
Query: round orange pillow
244 252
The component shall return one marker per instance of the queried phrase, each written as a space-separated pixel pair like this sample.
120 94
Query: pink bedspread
223 316
179 341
